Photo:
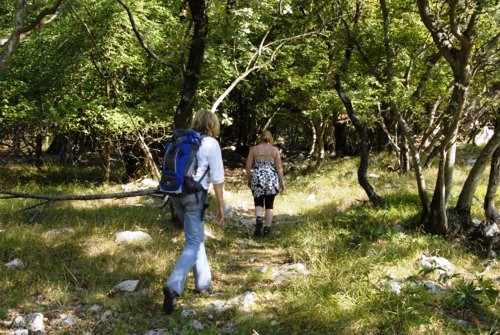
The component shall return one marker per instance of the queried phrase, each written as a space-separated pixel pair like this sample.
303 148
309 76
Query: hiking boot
266 231
204 292
169 300
258 227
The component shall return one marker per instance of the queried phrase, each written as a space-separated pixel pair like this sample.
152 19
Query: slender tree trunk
487 155
363 145
321 139
437 220
313 138
184 111
404 155
340 132
490 211
417 166
106 158
38 147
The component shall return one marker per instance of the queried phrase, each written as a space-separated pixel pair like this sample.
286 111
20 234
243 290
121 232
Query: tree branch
253 62
20 30
143 44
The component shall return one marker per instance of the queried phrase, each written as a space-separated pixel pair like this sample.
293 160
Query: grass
348 247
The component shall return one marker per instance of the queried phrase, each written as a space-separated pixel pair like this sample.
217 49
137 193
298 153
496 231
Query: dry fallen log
11 195
49 199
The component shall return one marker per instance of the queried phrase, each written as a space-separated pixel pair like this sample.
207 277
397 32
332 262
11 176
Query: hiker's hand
219 215
249 182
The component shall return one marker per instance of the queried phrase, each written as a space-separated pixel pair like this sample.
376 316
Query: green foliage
15 109
470 294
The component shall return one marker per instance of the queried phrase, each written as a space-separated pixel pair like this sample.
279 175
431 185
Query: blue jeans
191 210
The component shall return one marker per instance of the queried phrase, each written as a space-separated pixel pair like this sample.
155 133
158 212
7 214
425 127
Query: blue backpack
180 163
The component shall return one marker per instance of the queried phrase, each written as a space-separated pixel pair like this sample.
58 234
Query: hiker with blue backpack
192 161
265 179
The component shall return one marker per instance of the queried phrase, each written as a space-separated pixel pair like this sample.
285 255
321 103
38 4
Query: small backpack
180 163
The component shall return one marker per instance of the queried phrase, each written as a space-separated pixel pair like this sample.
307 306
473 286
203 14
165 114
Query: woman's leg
193 254
269 217
269 204
259 210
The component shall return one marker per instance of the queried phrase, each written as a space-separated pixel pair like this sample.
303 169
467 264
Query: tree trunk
38 147
464 201
490 210
184 111
456 31
438 220
341 146
312 146
417 166
106 158
404 155
363 144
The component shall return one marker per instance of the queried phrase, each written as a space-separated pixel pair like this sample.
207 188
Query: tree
361 129
184 111
454 35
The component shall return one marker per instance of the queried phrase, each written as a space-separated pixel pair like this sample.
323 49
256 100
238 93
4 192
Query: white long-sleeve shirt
209 156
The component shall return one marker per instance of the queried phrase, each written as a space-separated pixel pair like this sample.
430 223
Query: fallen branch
10 195
49 199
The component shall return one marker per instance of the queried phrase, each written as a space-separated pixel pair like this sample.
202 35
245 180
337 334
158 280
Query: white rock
246 223
106 316
58 233
95 308
491 230
149 182
228 211
288 270
197 325
132 237
188 313
262 269
127 285
156 332
439 263
149 202
35 323
15 264
68 321
19 322
311 198
245 300
492 254
476 222
434 288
